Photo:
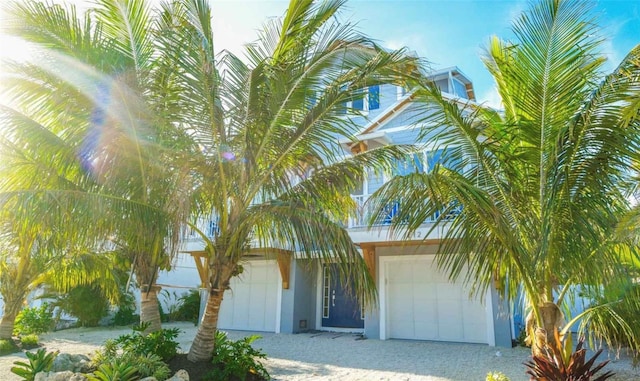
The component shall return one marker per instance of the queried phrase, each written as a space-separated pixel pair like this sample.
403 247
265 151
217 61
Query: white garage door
252 302
421 304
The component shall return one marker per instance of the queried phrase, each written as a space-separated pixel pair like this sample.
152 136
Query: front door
340 309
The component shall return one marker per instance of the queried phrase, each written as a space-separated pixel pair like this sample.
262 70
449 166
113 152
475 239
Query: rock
180 375
60 376
74 363
149 379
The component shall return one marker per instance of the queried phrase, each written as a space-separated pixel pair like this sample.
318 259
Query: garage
252 303
418 302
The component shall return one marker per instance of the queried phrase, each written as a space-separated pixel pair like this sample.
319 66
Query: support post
369 255
284 259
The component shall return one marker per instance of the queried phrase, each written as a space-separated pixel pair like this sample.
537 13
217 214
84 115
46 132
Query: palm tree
541 184
269 168
34 250
99 75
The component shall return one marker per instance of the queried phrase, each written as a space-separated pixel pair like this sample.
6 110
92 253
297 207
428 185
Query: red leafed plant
559 363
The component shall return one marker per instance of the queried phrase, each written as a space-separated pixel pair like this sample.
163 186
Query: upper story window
370 100
459 88
400 92
426 161
374 97
411 164
443 156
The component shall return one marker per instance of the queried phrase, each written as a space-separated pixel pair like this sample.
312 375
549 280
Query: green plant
151 365
34 320
126 313
560 363
87 303
114 372
7 347
29 341
521 340
236 359
161 343
188 307
147 365
496 376
40 361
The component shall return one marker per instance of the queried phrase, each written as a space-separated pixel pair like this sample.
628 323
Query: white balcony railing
209 224
364 211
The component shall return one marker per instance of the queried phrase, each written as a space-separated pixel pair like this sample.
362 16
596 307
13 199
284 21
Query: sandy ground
337 356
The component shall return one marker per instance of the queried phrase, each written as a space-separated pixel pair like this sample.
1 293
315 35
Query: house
285 293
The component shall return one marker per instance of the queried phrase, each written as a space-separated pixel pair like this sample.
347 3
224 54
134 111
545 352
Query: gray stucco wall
502 321
299 301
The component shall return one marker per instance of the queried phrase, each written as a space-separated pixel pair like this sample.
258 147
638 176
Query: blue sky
447 33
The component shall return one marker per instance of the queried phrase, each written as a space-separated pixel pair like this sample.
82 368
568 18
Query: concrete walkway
344 357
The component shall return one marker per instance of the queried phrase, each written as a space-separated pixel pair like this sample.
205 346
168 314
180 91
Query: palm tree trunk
6 325
541 336
150 309
204 342
9 312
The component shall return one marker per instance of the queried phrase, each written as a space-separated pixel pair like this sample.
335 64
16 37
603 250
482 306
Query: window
448 158
459 88
358 104
367 99
325 291
400 92
374 97
409 165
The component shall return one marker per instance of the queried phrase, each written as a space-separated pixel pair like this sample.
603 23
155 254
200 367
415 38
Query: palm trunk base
6 326
150 309
540 337
204 342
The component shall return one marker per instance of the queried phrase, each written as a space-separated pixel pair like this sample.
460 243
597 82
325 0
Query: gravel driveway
342 357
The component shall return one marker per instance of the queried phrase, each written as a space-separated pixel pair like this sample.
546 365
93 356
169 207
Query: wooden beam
284 258
369 255
202 265
359 147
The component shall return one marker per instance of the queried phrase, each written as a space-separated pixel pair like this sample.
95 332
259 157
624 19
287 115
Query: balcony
208 225
364 211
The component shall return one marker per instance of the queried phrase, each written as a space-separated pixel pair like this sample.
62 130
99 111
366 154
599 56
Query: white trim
319 296
382 289
278 298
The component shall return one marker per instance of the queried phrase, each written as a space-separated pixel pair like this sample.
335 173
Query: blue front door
340 309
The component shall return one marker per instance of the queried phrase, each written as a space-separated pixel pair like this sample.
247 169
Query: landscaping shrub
147 355
29 341
34 320
8 347
126 313
136 351
111 358
87 303
161 343
115 372
188 307
236 359
559 363
40 361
